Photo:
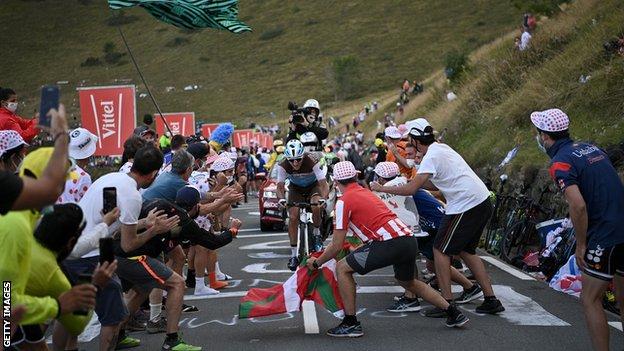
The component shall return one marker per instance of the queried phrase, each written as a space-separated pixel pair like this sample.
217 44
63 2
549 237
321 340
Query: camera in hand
83 279
296 113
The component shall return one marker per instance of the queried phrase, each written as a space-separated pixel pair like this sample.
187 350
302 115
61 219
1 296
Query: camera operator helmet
294 150
309 141
313 109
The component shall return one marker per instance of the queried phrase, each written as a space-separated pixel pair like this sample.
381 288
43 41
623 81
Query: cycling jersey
588 167
306 176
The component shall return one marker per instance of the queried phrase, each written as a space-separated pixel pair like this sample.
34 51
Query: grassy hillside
504 86
288 56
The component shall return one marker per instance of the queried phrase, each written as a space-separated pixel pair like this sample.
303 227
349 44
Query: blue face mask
540 144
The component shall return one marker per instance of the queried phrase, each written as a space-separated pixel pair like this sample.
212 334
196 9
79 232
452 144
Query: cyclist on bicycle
307 184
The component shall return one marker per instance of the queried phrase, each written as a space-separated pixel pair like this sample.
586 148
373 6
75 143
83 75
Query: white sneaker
204 290
223 276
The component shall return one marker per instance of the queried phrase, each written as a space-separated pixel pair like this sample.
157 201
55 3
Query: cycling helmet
294 149
309 141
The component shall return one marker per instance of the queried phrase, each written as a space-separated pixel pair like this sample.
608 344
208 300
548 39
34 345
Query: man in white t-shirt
468 210
110 306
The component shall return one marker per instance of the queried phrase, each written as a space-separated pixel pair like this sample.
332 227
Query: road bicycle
307 242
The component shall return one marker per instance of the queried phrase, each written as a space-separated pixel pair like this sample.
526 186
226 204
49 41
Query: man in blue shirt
595 196
167 184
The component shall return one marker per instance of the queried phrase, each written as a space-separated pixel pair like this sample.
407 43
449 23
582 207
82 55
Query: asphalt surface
537 317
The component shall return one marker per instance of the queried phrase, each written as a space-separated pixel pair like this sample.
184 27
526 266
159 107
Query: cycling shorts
604 263
299 194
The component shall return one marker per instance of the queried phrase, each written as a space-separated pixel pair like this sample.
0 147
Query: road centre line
616 325
310 322
507 268
260 235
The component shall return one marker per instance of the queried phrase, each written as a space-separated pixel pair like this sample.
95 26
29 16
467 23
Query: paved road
537 317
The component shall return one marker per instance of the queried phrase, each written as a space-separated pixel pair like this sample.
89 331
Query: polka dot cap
10 139
387 169
344 170
553 120
222 164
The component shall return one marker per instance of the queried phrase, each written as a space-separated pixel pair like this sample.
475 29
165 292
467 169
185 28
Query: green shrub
345 71
455 64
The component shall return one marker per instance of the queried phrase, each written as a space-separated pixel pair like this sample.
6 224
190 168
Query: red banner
109 113
241 138
208 128
179 122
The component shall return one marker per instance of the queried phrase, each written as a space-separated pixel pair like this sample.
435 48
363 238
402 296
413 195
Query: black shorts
604 263
400 253
143 272
298 194
26 334
109 302
425 244
461 232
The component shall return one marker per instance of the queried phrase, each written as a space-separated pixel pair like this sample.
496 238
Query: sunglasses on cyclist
295 160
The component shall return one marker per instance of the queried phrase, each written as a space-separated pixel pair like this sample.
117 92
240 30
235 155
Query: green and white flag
191 14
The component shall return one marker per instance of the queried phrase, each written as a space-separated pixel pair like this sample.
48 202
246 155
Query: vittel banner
110 113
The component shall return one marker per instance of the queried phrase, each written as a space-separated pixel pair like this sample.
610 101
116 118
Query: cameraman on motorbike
305 120
307 184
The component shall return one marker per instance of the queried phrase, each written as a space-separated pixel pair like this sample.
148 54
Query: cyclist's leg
294 195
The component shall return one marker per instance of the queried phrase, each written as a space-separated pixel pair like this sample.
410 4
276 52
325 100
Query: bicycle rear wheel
511 242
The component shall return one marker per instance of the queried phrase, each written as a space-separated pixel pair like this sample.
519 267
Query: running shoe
405 305
293 263
318 243
490 306
455 318
189 308
346 331
434 312
473 293
127 343
157 326
201 290
134 324
179 345
398 297
223 276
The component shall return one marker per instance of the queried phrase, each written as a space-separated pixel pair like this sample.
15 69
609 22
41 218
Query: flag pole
149 92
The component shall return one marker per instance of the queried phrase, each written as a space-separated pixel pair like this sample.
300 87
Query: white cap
222 164
387 169
417 127
9 140
552 120
346 146
393 132
82 144
344 170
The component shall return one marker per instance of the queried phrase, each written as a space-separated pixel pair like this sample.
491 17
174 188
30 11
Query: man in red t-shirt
387 242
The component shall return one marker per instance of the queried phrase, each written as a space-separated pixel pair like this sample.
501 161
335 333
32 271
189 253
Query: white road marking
268 245
522 310
249 230
253 213
260 235
267 255
616 325
261 268
507 268
310 322
216 296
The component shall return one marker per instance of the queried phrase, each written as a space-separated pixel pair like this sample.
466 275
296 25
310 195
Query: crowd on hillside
117 245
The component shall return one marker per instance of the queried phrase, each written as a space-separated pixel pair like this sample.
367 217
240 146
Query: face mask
230 179
540 144
411 163
11 106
